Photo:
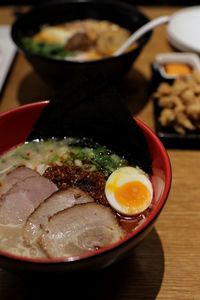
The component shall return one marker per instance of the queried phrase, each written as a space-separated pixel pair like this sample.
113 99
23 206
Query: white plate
183 30
7 53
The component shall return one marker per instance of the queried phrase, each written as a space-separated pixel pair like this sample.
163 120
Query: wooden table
166 265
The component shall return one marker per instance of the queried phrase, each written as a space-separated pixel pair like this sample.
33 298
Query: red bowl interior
15 126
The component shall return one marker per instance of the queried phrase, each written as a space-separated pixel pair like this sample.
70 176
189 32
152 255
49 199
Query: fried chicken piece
183 120
167 116
187 96
193 110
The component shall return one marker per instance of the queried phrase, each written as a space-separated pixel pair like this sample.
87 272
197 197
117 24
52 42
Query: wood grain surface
166 265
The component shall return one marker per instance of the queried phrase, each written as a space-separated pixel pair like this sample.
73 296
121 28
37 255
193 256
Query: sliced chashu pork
20 173
59 201
80 229
16 175
24 196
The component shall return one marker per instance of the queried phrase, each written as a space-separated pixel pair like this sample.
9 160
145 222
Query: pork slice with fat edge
79 229
58 201
23 197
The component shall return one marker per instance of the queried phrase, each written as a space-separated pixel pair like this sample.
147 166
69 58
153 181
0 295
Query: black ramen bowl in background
57 71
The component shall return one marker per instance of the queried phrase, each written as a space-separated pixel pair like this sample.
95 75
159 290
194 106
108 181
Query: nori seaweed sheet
94 109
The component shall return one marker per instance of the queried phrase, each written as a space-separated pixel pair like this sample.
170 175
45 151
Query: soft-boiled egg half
129 191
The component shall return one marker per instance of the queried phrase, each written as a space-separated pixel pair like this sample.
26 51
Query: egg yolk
132 194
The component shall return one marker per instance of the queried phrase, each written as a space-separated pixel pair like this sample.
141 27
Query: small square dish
7 53
171 65
177 102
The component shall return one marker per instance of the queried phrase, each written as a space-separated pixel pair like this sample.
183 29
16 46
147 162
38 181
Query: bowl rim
141 42
151 218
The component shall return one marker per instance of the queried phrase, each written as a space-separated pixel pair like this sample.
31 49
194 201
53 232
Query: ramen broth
11 240
81 40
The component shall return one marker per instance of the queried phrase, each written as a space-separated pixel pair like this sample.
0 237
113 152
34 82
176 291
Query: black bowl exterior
54 70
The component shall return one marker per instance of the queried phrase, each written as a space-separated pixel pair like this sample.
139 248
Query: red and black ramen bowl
15 126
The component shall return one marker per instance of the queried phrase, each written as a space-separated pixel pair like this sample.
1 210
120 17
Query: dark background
134 2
